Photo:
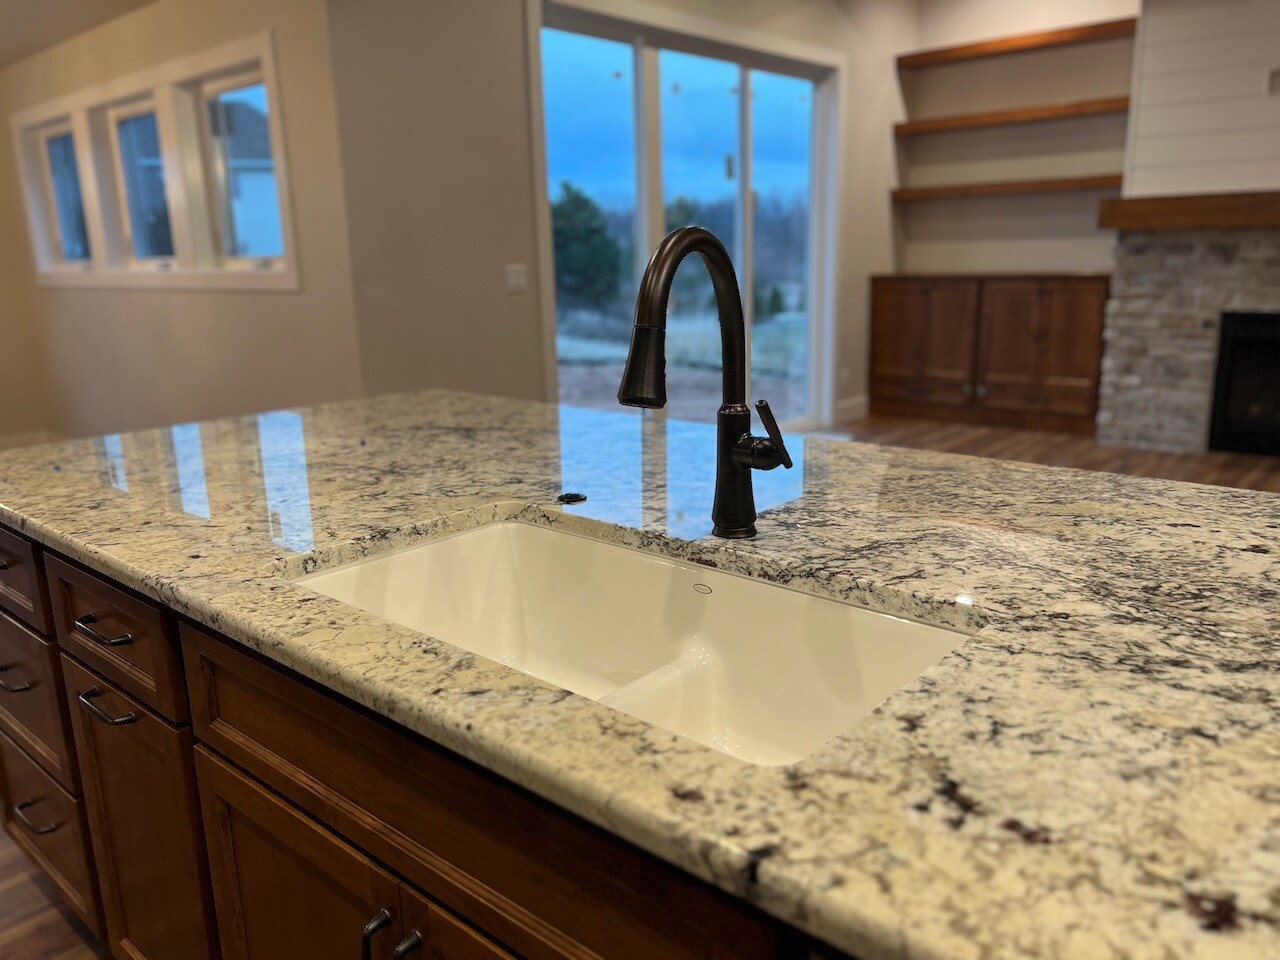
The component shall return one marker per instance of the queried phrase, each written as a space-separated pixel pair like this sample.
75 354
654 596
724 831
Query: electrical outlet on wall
517 278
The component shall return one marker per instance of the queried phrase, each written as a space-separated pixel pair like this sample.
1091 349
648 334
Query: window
645 133
141 173
244 172
176 174
64 190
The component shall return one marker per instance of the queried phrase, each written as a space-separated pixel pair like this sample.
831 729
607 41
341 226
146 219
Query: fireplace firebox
1246 398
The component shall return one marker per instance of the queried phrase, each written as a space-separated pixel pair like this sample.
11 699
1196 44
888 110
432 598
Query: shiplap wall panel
1204 119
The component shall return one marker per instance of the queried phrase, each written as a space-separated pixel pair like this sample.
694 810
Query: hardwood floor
34 922
1065 450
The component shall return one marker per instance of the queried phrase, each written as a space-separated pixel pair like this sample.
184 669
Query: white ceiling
27 26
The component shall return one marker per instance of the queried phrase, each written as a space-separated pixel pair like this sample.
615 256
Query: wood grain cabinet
1013 351
140 789
287 887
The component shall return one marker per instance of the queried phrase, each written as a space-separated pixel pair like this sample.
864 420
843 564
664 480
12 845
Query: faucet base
734 533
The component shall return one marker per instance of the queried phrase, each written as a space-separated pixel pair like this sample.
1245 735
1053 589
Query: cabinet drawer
49 825
32 711
538 879
129 640
22 581
140 796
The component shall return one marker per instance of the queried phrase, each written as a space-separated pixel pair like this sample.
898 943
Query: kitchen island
1092 773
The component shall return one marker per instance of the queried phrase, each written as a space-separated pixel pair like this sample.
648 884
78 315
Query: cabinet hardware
4 564
86 700
408 945
373 926
982 390
19 811
84 625
14 688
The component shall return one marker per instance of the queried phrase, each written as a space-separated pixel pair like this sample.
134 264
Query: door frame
648 27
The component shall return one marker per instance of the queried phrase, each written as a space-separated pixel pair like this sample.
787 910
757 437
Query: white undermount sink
761 672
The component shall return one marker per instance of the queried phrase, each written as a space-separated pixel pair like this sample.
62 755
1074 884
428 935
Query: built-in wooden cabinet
233 809
1015 351
144 815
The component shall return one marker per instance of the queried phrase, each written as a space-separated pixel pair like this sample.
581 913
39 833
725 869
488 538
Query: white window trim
58 260
176 92
648 26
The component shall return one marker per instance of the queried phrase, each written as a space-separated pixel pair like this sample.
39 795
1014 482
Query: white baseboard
10 441
851 408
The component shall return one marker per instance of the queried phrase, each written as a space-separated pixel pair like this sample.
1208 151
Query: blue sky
588 89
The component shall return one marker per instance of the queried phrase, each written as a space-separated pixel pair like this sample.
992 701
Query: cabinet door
923 340
433 933
1010 346
1073 312
284 886
899 326
139 784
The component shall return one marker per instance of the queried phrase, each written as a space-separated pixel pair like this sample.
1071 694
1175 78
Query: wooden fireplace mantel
1206 212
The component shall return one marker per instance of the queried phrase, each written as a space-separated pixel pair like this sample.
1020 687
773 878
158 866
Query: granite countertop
1095 773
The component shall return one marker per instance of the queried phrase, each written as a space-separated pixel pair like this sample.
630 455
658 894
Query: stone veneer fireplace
1169 291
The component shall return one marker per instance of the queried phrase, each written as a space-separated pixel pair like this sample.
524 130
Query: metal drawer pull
373 926
86 700
408 945
18 812
12 688
84 625
4 564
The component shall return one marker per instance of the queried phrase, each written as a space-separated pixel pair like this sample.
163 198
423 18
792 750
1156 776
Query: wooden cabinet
32 710
48 824
22 581
1016 351
284 886
130 640
926 353
287 887
140 788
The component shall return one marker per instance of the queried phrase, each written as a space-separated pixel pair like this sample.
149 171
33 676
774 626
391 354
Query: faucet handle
775 435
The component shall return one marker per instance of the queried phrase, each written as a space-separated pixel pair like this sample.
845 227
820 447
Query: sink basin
758 671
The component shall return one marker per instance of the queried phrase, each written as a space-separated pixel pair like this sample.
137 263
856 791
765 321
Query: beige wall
125 359
434 109
946 22
1205 118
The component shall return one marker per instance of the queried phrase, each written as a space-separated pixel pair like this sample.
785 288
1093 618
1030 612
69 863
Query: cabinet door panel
950 342
1011 343
900 318
139 783
32 711
285 886
440 935
23 591
48 824
1073 346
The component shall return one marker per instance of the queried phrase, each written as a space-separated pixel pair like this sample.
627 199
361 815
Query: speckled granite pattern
1096 773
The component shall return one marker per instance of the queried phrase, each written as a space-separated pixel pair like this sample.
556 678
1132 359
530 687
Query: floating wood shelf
1107 30
1004 118
1008 188
1202 212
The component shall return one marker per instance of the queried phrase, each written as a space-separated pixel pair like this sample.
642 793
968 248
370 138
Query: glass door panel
699 107
589 96
781 138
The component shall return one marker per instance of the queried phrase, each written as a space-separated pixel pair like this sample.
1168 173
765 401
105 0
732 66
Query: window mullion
185 218
649 147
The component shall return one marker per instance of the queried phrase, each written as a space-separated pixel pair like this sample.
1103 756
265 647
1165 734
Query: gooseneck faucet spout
644 380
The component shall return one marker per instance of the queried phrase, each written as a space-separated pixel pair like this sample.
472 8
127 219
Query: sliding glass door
641 140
